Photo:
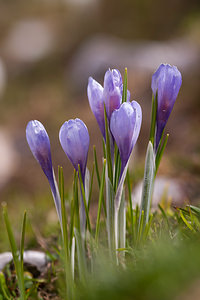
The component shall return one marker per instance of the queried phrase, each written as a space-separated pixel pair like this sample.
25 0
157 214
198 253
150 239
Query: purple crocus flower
74 139
166 82
95 97
125 126
110 94
38 141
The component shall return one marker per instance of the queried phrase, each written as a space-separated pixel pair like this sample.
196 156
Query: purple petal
38 141
122 125
74 139
166 82
39 144
112 94
95 97
138 121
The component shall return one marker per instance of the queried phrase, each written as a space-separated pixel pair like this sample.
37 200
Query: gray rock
164 187
35 258
5 258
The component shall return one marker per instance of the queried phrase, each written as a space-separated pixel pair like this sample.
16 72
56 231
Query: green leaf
125 86
97 172
91 185
160 153
81 256
100 201
15 253
84 199
108 149
148 183
153 119
130 201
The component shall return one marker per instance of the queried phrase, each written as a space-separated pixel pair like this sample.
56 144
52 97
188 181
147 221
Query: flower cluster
124 118
124 122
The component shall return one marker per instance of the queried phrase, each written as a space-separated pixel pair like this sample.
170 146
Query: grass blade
100 201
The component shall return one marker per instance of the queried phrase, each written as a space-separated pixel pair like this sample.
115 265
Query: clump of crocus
74 139
125 126
110 95
38 141
166 83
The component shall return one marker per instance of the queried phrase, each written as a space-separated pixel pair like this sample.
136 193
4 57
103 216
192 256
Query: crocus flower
125 126
95 97
110 94
74 139
166 82
38 141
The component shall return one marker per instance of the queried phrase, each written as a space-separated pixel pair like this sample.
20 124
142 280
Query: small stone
169 189
5 258
35 258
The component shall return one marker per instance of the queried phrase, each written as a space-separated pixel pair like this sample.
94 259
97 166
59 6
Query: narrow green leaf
81 257
117 169
104 148
186 222
96 164
76 202
108 151
63 210
122 223
15 254
110 195
164 215
141 227
125 86
97 172
160 153
22 251
22 237
100 201
148 183
153 119
3 288
84 199
195 209
91 185
130 201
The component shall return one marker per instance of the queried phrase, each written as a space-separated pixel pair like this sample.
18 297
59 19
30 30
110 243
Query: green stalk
108 152
160 153
153 119
100 201
84 199
91 185
97 173
125 86
148 181
67 267
130 201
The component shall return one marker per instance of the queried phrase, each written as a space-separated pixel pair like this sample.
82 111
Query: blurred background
49 48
